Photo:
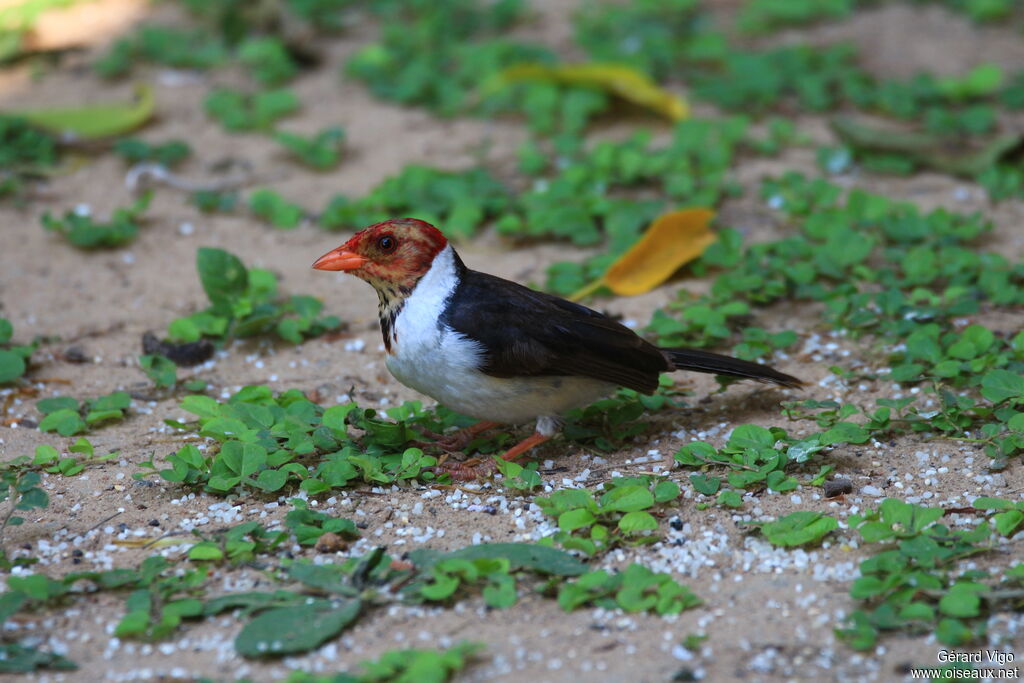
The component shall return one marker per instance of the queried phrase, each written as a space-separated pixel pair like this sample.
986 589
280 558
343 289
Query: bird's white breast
435 360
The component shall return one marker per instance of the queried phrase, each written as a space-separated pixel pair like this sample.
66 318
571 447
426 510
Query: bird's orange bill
339 259
672 240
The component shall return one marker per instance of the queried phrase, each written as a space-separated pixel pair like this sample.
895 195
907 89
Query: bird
498 351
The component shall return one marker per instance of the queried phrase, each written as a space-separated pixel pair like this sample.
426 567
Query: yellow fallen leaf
673 239
94 121
623 81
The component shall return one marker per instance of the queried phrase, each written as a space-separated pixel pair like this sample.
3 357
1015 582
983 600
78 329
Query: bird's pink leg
526 444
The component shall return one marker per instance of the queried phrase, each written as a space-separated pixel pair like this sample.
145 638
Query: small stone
837 487
76 354
330 542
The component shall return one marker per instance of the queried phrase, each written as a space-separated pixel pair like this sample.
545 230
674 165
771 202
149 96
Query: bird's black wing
529 333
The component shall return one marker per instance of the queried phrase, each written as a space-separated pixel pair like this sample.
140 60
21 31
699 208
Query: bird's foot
482 468
472 469
458 440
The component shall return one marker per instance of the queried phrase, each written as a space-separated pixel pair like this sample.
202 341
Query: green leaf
960 601
575 519
981 81
501 592
290 630
160 370
65 422
206 551
705 484
627 498
12 366
638 521
1007 522
321 152
521 556
52 405
45 455
799 528
751 436
730 498
224 277
272 480
21 659
953 632
1000 385
987 503
665 491
844 432
275 209
202 406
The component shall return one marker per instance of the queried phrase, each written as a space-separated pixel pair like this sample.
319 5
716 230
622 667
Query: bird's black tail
716 364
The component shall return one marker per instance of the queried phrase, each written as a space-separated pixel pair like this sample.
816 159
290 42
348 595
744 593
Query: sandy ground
768 614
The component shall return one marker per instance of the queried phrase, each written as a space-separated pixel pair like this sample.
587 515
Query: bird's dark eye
387 243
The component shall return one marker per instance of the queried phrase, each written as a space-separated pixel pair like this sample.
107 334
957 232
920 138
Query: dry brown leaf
672 240
623 81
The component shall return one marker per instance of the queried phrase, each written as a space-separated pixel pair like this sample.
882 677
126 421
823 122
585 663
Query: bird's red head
392 254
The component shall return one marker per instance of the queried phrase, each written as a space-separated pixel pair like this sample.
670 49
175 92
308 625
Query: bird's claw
449 443
468 470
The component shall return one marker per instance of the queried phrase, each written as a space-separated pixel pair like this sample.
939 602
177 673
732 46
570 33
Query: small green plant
1009 516
491 567
309 525
170 153
21 485
268 442
764 16
49 460
606 424
68 416
268 60
637 589
449 575
22 659
21 491
239 111
751 457
458 201
621 515
915 582
797 528
14 358
211 201
517 476
437 666
25 152
238 545
321 152
275 209
245 302
159 369
178 48
81 231
652 35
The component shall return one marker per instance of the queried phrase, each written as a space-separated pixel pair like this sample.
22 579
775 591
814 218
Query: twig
142 175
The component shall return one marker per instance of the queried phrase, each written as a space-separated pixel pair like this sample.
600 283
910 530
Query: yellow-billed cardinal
498 351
